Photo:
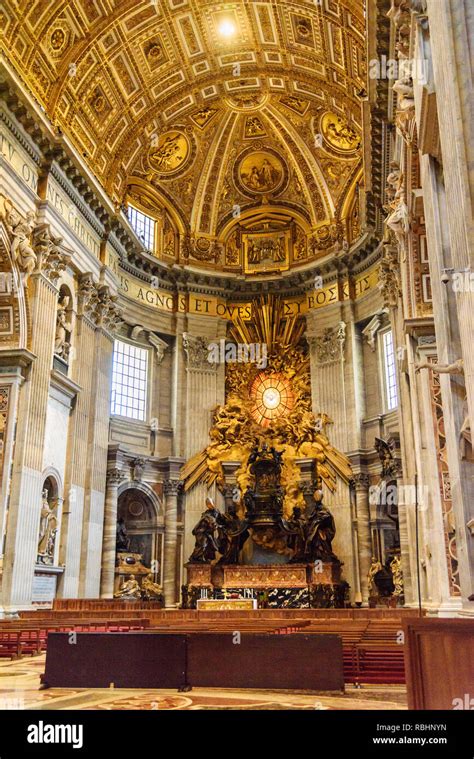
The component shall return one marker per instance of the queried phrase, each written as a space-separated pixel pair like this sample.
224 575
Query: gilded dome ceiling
233 118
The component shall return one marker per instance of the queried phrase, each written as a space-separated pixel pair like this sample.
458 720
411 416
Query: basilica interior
236 305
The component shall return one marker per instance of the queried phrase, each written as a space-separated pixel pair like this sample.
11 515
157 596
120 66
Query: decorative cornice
35 155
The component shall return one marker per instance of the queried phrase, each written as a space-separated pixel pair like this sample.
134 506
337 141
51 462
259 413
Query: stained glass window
272 397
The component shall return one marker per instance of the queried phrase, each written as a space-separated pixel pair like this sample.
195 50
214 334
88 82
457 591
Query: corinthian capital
197 352
107 314
115 476
361 480
172 487
50 259
86 295
330 345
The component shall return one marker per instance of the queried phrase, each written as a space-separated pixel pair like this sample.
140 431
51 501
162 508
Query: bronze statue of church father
258 553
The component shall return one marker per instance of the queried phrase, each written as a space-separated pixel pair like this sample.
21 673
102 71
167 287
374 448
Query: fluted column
109 538
171 488
363 531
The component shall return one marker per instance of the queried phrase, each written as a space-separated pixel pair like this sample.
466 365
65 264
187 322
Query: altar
261 556
226 604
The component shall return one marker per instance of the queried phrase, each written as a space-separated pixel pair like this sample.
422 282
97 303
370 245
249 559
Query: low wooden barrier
439 662
150 660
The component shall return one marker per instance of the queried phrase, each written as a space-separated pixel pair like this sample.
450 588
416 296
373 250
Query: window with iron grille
129 381
144 227
391 392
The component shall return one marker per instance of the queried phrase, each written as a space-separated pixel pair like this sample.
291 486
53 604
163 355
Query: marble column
363 531
170 558
109 537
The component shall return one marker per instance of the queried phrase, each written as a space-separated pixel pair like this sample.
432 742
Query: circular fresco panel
339 133
260 172
171 153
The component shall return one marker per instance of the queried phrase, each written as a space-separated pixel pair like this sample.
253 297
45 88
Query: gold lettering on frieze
72 216
19 161
193 303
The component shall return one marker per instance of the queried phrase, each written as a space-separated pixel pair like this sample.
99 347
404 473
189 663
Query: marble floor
20 682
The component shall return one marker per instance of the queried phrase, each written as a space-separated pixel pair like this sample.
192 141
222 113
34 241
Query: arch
157 200
51 475
139 511
146 490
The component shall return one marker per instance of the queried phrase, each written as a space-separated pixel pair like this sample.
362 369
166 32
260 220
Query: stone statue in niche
62 343
404 89
206 546
21 230
47 531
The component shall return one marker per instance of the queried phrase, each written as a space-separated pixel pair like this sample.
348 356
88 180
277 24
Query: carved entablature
197 353
330 345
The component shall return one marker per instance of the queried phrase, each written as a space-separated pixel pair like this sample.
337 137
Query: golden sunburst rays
273 404
269 325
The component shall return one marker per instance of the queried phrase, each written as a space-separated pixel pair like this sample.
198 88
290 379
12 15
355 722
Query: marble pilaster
171 489
109 537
